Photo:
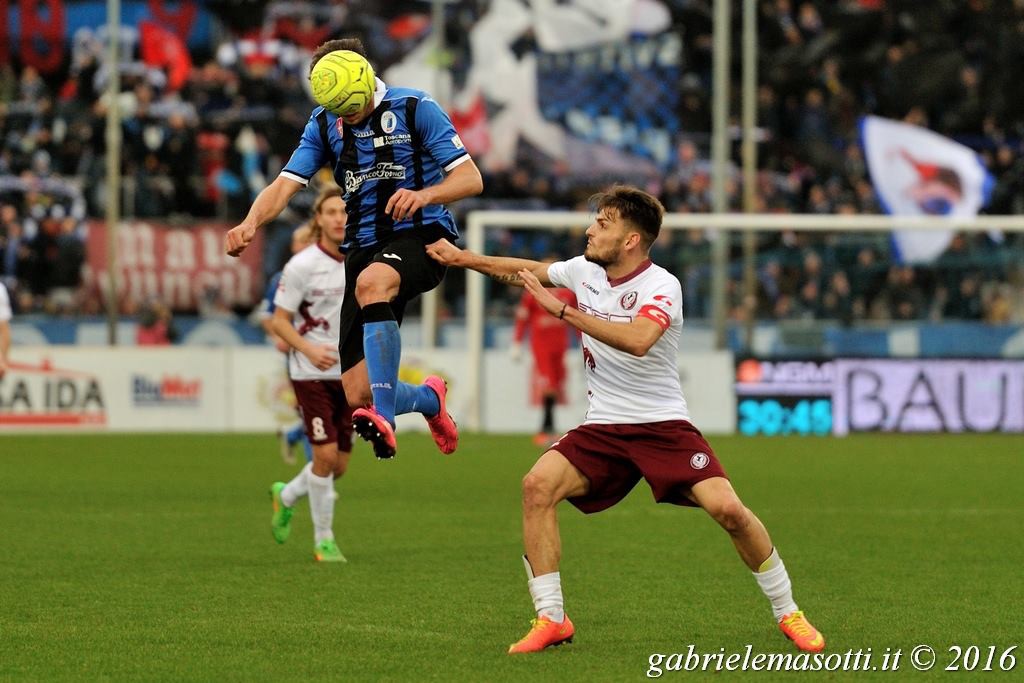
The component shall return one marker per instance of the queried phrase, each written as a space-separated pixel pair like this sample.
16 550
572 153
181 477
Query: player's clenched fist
444 252
405 202
238 238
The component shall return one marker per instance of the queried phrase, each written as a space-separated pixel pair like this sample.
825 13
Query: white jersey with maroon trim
312 287
622 388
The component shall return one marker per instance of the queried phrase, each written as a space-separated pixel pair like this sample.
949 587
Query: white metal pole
431 300
721 37
749 165
475 321
113 213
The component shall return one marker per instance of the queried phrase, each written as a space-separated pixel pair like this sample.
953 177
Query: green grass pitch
150 558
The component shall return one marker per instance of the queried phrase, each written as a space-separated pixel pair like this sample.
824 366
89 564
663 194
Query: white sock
321 505
297 487
774 582
546 591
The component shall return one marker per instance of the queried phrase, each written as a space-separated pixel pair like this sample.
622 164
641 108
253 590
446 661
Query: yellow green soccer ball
343 82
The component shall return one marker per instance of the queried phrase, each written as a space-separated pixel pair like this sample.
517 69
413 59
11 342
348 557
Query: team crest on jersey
388 121
699 461
628 301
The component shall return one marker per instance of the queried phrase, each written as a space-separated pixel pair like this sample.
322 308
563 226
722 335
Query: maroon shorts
672 456
325 412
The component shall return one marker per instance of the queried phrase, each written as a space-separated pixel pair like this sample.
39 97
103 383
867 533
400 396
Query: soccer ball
343 82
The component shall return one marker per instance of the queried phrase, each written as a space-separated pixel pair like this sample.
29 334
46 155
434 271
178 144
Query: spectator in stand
825 65
155 325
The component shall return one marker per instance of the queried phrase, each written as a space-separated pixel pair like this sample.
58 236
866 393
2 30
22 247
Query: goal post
479 222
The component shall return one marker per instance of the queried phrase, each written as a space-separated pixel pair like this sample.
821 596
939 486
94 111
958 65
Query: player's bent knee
326 454
538 491
377 283
731 514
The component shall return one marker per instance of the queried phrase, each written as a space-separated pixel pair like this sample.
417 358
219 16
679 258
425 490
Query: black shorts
406 252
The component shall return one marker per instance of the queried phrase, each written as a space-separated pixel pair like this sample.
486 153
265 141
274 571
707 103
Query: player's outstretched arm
268 205
635 338
463 181
323 356
501 268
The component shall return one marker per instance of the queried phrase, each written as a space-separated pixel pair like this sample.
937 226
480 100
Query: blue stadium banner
622 94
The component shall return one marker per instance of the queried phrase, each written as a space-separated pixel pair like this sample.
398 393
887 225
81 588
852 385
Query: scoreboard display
784 397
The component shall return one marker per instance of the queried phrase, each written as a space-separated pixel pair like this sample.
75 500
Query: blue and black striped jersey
407 142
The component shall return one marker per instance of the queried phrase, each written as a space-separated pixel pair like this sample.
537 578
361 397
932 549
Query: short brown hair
315 229
634 206
351 44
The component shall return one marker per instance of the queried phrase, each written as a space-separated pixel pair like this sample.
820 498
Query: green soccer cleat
280 522
327 551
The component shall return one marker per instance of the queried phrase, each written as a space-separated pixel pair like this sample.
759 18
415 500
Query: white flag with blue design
917 172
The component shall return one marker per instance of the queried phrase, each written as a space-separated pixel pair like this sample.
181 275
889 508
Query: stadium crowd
204 134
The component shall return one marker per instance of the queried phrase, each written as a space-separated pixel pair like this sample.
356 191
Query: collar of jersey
615 282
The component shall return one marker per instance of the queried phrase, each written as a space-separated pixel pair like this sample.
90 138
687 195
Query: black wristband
561 314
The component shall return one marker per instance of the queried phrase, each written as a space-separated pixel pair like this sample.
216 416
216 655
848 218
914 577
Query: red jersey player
549 339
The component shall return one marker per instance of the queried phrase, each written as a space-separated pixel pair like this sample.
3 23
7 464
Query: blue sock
295 434
416 398
308 447
382 347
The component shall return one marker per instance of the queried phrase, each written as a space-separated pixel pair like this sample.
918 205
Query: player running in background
637 425
290 435
549 340
308 304
5 329
399 161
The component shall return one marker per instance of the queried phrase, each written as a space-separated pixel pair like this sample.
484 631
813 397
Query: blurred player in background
637 425
549 340
5 329
293 434
400 161
308 303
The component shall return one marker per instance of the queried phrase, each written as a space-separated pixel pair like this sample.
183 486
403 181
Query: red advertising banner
176 265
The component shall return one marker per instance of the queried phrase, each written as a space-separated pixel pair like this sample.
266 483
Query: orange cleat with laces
544 633
802 632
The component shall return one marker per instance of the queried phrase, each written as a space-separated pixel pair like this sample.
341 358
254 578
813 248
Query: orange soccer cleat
802 632
442 426
544 633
